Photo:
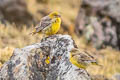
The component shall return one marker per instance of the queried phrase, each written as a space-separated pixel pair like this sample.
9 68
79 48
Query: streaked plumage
81 59
49 25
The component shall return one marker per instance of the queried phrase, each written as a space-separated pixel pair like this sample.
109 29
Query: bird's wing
44 23
86 57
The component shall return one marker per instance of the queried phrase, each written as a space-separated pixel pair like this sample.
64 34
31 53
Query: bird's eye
73 55
55 15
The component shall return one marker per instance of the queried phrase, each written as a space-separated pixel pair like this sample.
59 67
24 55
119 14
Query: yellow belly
79 65
54 28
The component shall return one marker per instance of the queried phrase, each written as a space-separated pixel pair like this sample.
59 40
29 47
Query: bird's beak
58 15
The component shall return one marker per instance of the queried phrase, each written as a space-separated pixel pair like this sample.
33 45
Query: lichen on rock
29 62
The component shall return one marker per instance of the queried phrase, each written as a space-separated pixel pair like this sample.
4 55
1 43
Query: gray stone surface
28 63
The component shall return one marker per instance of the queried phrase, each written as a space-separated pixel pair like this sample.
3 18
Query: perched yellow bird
48 25
81 59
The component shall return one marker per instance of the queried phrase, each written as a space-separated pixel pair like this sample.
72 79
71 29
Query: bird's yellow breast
75 62
54 27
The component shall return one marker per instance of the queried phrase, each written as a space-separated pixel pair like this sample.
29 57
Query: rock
28 63
15 11
104 18
116 76
106 7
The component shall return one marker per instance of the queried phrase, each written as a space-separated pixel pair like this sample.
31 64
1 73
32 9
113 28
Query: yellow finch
81 59
48 25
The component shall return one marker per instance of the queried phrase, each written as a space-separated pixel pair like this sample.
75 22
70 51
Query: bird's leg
77 69
81 71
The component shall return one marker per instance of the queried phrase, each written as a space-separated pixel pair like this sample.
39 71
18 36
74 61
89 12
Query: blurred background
93 24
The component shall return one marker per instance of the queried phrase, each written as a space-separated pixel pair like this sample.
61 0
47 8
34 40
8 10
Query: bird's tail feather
96 63
33 32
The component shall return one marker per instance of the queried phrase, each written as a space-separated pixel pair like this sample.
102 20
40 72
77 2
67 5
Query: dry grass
11 37
110 61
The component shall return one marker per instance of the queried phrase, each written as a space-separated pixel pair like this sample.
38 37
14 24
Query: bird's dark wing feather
45 22
85 57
